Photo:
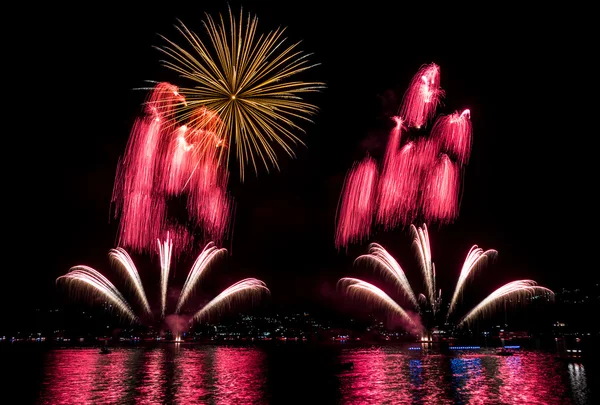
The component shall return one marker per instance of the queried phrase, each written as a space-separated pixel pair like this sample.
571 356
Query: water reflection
174 374
435 381
388 376
469 381
84 376
530 379
152 387
159 375
193 379
376 377
240 376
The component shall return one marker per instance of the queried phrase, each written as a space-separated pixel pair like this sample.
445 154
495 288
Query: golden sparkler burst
244 77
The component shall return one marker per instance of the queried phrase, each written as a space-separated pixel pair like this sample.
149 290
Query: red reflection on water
434 380
152 389
192 377
388 376
377 377
166 374
239 376
172 374
530 379
83 376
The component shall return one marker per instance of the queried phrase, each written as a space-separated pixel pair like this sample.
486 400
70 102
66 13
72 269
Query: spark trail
120 257
430 303
476 258
383 261
370 293
202 263
423 249
422 96
246 78
453 133
441 196
166 161
420 176
244 289
164 248
520 289
84 276
355 213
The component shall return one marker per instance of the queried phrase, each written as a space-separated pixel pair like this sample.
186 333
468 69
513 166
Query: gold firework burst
245 79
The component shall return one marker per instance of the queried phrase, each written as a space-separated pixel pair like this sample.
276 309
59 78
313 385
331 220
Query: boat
104 350
504 352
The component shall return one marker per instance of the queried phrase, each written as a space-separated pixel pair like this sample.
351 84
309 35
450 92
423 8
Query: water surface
291 373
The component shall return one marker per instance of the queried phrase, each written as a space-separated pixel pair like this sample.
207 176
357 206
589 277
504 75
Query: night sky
529 187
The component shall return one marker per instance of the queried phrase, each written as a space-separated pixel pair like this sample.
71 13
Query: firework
420 175
382 260
431 301
422 96
142 210
178 163
476 258
370 293
121 257
243 289
454 132
393 172
165 248
355 213
84 277
202 263
423 249
441 193
518 290
87 277
162 161
245 79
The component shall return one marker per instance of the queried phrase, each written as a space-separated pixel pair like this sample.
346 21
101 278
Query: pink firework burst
453 133
355 213
142 209
165 160
420 176
422 96
440 199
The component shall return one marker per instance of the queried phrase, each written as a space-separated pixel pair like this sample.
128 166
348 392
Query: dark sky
529 187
